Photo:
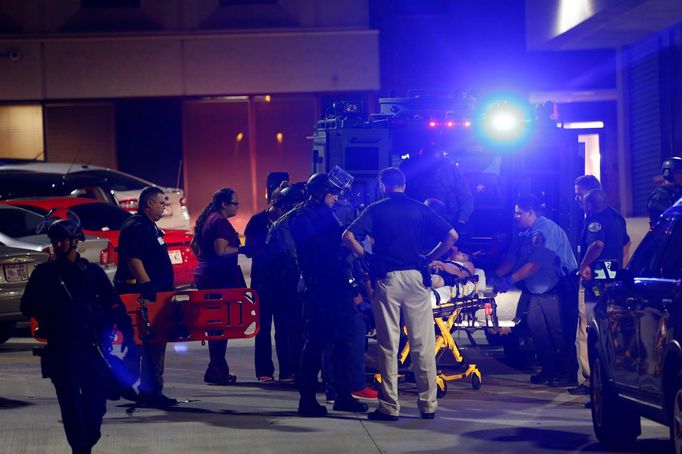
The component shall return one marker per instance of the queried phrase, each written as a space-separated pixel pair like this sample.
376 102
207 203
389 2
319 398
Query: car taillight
106 257
128 205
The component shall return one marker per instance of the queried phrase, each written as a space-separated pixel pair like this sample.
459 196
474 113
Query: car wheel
676 417
7 331
614 425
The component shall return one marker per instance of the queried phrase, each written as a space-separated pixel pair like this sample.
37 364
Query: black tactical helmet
291 195
59 229
670 166
320 183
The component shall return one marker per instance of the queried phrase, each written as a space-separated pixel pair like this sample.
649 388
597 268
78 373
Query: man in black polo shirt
144 267
399 225
605 236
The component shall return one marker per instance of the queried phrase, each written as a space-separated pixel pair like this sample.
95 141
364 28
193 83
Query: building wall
216 155
81 133
189 65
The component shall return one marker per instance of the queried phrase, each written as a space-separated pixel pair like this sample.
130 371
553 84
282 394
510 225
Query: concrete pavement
506 415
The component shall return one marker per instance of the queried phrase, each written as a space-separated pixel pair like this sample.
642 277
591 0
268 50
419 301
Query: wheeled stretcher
460 307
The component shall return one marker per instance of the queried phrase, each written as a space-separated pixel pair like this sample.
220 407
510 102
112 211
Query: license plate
175 257
16 273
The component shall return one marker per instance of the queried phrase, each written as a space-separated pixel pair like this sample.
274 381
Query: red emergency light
450 124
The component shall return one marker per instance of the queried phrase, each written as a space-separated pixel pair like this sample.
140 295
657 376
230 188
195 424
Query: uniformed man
144 267
667 193
77 309
281 287
583 185
540 257
328 307
605 236
399 225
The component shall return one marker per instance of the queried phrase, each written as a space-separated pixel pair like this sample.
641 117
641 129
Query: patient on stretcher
455 278
448 272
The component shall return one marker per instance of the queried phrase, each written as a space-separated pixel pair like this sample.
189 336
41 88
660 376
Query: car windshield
15 185
118 181
17 222
100 216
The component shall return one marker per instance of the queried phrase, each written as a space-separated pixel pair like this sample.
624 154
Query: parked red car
105 220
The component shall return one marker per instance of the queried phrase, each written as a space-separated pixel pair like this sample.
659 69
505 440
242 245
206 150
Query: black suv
635 339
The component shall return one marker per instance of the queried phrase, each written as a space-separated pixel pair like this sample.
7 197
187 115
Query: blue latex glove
503 284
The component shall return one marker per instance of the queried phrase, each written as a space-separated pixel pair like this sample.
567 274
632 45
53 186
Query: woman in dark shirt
216 244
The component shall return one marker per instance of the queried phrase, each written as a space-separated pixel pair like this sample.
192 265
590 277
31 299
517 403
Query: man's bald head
595 201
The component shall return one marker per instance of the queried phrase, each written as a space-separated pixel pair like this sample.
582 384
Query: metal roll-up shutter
645 120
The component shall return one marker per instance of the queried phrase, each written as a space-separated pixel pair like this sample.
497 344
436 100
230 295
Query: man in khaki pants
399 226
583 185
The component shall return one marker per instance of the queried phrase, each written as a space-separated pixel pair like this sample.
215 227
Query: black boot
309 408
348 403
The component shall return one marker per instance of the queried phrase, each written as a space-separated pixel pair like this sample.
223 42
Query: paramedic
539 259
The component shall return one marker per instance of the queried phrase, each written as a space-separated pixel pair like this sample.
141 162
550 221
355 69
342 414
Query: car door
623 306
658 306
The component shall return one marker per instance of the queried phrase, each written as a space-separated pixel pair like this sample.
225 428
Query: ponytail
220 196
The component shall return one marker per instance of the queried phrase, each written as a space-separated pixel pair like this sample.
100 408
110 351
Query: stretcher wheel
475 382
441 391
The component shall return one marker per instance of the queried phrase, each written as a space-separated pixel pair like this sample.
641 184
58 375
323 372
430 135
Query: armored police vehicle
498 149
469 158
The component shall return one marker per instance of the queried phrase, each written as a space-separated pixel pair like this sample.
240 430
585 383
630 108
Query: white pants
405 290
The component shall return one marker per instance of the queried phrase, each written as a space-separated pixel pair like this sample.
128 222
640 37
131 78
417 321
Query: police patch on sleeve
538 239
594 227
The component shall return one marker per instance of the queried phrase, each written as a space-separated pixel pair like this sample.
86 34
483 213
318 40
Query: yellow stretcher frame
445 317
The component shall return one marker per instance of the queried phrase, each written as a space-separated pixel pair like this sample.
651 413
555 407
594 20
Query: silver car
16 265
18 229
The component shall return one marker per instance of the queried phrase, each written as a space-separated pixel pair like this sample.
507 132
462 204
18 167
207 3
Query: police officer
144 267
281 287
328 307
76 308
667 193
582 185
399 225
540 257
604 238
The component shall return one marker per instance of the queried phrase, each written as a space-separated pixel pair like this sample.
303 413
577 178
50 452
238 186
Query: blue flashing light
504 122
